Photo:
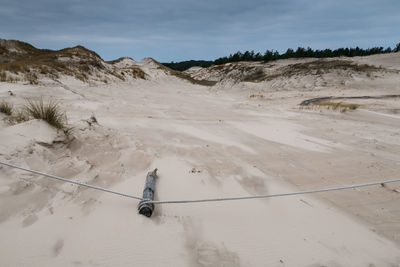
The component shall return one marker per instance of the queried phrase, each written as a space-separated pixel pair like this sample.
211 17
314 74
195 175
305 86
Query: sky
177 30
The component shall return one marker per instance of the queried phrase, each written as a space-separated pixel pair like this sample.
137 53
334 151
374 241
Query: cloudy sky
175 30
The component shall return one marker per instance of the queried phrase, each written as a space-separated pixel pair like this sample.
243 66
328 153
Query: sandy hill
297 73
12 50
244 135
23 62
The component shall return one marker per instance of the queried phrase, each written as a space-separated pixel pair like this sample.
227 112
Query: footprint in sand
203 253
28 221
58 247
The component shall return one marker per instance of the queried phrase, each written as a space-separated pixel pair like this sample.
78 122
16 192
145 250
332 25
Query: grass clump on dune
343 107
20 116
49 112
6 108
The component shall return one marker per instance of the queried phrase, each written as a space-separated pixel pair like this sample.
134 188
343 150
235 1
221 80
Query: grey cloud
185 29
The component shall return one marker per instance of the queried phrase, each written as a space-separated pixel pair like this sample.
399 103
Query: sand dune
238 145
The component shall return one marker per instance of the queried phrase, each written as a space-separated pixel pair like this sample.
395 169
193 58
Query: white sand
240 146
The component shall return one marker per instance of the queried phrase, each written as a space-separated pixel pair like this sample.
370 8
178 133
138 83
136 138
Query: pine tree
397 48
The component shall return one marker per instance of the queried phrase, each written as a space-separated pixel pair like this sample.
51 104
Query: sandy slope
237 146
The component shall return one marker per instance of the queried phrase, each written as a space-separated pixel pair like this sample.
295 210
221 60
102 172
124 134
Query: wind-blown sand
206 142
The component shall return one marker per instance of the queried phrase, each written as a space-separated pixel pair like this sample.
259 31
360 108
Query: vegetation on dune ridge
22 58
318 67
33 62
118 60
271 55
308 52
18 58
11 50
255 73
134 71
137 72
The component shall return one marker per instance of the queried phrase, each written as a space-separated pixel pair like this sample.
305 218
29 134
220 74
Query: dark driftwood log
148 194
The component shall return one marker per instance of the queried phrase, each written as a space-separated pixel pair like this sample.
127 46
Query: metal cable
272 195
70 181
207 199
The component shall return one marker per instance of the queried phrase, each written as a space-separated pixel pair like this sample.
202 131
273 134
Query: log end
146 212
146 209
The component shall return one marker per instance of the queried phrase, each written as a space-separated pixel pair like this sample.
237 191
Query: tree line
184 65
271 55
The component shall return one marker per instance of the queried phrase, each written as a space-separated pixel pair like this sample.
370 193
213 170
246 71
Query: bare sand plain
231 139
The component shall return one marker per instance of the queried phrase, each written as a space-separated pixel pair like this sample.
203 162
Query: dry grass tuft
7 78
3 76
256 96
6 108
81 77
20 116
138 73
255 76
119 76
49 112
343 107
